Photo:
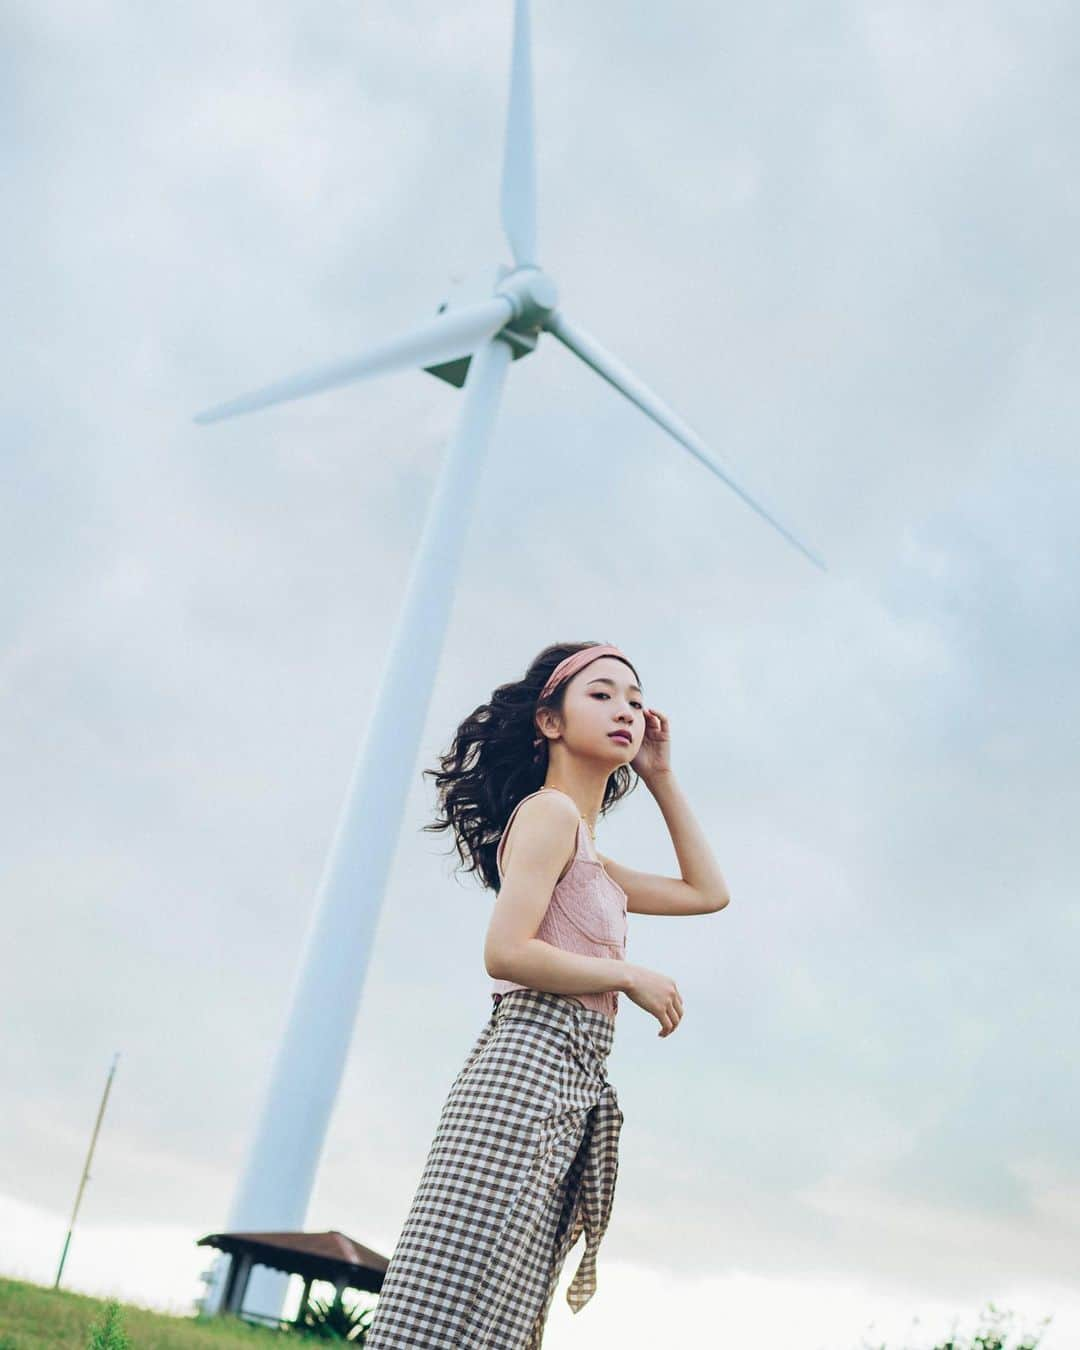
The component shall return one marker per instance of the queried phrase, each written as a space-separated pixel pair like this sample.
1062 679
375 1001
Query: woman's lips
620 736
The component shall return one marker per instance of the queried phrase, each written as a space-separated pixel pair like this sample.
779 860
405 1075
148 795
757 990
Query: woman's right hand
657 994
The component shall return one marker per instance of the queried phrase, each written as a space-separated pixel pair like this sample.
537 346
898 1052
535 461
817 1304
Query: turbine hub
532 294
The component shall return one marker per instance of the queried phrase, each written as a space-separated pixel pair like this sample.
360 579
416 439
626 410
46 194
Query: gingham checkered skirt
523 1162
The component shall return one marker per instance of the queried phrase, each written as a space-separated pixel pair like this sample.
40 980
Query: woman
525 1154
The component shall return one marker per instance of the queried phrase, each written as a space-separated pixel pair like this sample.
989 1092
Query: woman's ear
546 721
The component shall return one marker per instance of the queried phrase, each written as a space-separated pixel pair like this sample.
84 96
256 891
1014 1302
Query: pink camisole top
586 913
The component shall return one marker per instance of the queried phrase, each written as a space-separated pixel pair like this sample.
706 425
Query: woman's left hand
654 754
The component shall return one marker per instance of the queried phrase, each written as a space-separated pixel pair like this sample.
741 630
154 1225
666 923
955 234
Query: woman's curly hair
492 764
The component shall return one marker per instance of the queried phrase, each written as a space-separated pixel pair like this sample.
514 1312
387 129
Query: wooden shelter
329 1256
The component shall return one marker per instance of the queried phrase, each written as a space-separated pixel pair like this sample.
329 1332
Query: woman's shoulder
547 805
546 812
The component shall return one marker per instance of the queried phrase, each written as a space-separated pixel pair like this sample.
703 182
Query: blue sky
841 244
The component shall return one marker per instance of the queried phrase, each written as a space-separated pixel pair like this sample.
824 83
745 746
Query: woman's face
601 699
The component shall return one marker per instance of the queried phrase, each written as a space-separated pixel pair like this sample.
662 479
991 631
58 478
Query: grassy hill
38 1317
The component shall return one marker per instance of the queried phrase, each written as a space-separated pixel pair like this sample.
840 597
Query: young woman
525 1153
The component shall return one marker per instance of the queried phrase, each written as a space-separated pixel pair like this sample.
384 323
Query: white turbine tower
470 346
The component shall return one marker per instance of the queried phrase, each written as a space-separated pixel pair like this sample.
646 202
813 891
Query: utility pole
86 1169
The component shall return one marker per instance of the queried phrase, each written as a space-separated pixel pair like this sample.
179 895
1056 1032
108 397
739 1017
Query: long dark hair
492 764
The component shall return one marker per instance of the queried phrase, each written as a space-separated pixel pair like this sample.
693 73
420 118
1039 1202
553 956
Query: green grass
38 1317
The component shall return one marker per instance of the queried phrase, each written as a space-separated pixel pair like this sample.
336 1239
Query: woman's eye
599 693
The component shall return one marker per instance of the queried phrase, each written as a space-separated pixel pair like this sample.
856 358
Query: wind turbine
472 347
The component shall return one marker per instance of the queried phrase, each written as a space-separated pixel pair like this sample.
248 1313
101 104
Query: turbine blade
590 351
454 333
519 159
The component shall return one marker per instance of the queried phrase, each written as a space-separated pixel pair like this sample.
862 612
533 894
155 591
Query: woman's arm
539 965
544 835
701 889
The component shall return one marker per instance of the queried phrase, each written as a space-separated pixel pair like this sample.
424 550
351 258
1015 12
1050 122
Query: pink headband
570 665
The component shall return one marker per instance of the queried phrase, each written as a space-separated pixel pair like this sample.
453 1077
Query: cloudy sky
841 243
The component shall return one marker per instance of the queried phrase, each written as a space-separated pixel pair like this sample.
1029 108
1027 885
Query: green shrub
109 1333
335 1322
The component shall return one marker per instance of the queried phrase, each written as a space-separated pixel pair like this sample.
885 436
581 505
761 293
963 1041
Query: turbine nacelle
532 296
